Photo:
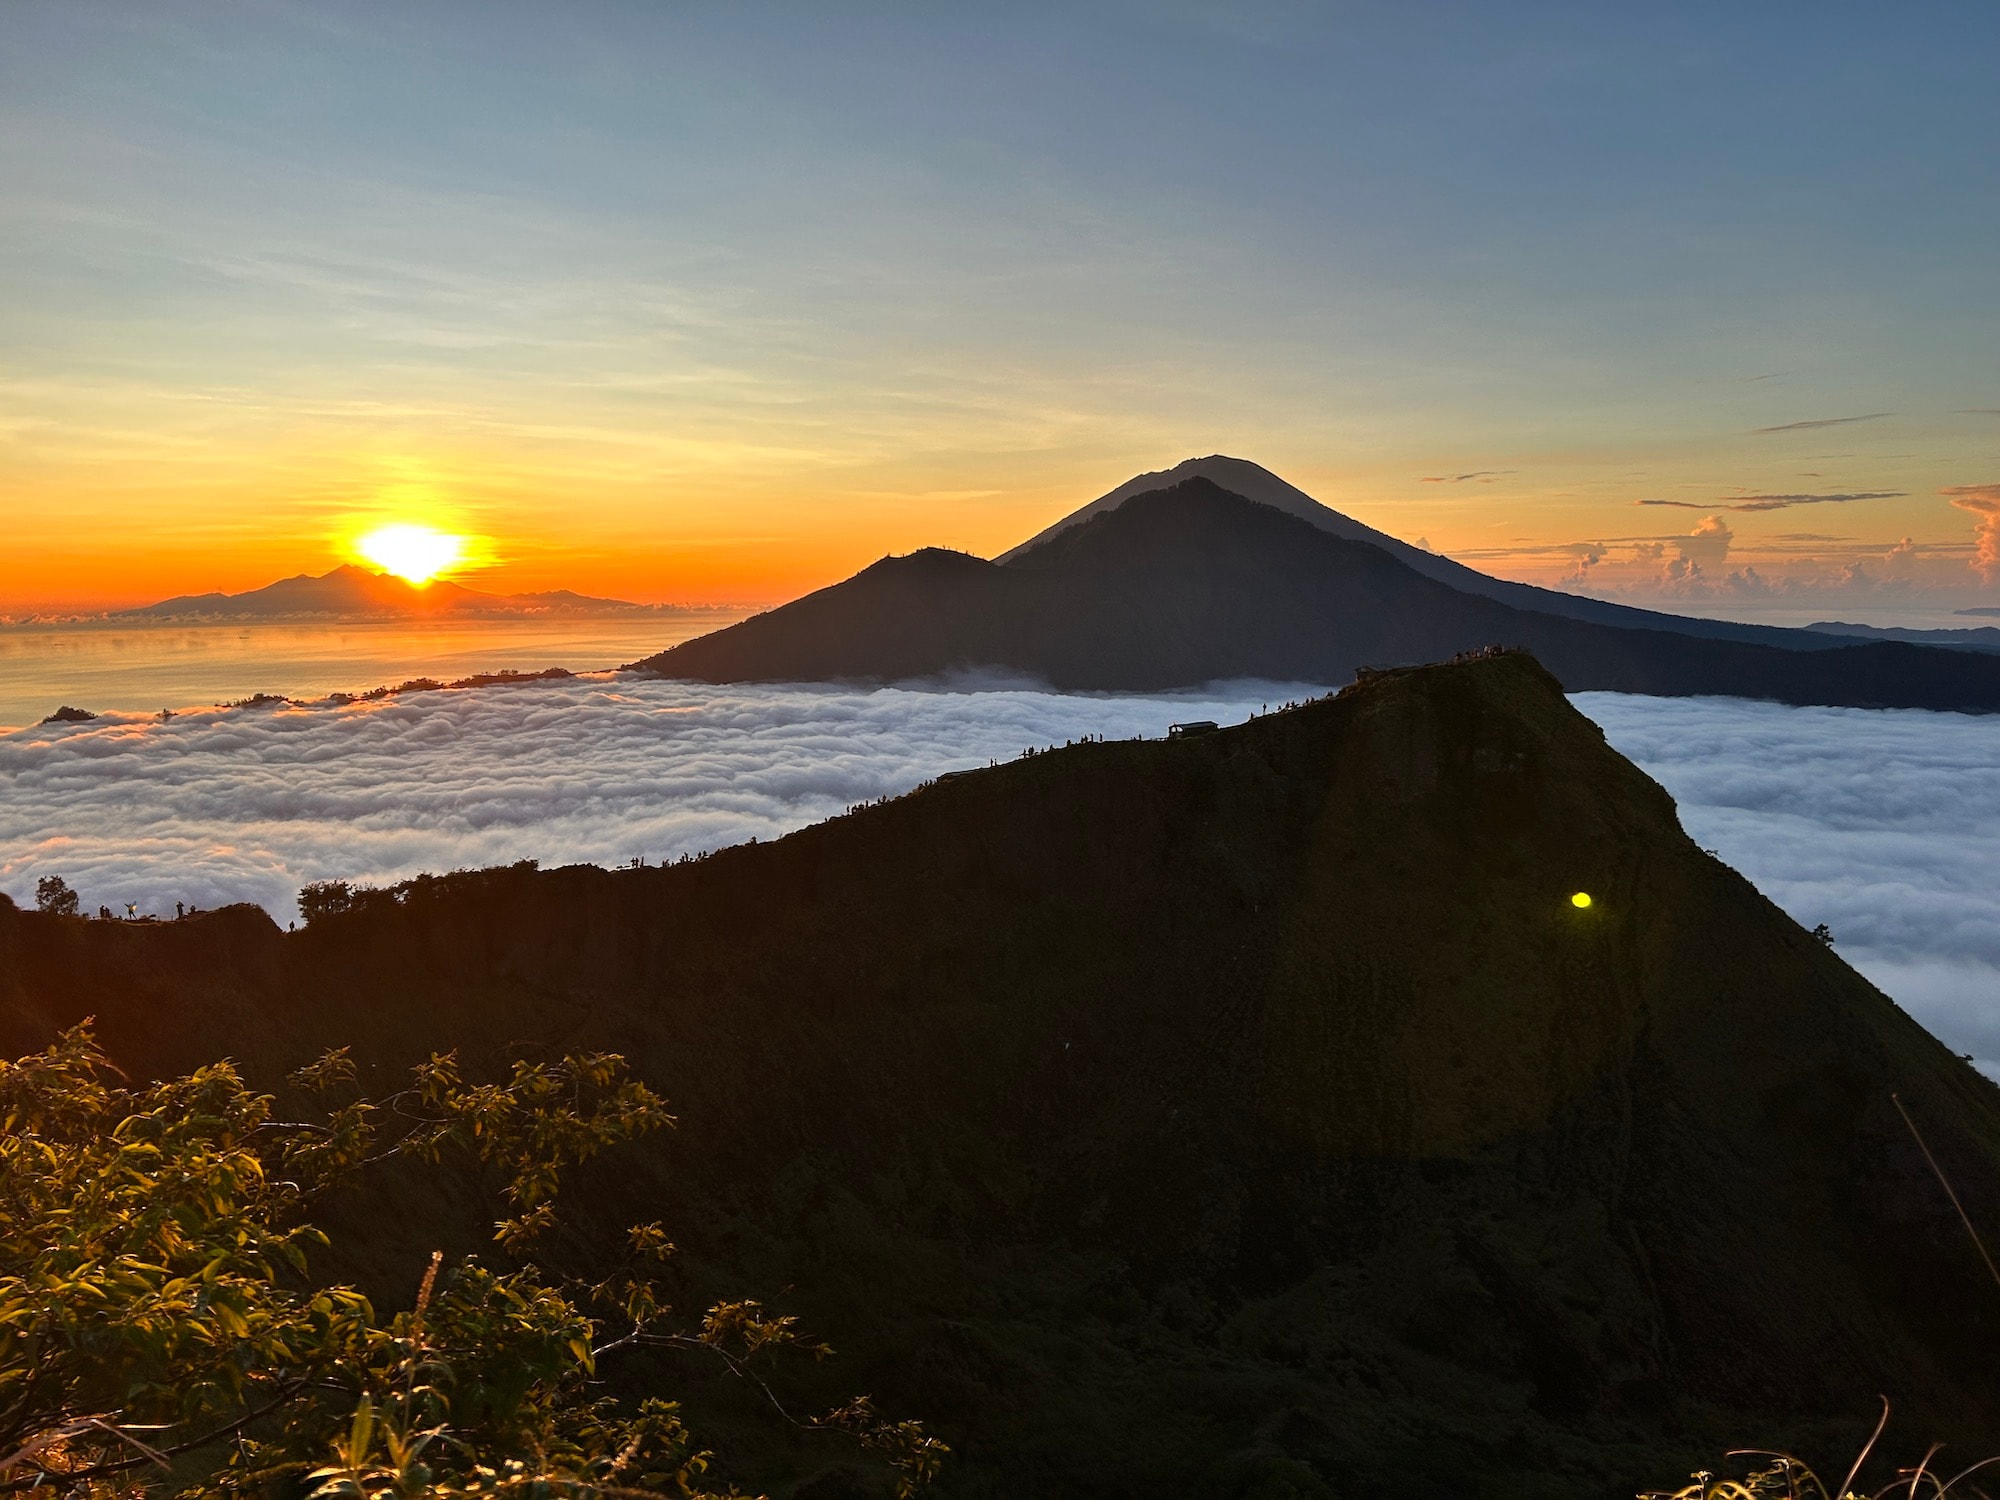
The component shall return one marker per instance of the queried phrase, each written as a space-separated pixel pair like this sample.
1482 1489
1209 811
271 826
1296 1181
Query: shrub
326 898
160 1333
1779 1476
53 895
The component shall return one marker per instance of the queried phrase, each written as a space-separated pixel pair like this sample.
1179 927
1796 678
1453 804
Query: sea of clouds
1885 825
248 804
1882 823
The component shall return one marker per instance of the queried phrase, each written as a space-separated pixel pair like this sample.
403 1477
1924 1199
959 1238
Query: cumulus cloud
249 804
1826 422
1707 546
1776 502
1696 566
1902 558
1588 555
1983 501
1792 570
1885 825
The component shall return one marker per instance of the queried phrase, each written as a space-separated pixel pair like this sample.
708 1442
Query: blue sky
746 294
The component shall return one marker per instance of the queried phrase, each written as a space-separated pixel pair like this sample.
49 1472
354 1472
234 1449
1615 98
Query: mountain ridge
1255 482
1964 638
1248 1114
1194 583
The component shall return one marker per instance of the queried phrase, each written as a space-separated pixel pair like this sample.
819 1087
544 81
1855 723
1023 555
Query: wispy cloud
1483 476
1872 416
1775 502
1784 544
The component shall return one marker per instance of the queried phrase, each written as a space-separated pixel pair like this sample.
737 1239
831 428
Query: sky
702 302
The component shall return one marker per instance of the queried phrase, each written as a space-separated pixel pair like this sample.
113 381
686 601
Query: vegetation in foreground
160 1329
1245 1115
1780 1476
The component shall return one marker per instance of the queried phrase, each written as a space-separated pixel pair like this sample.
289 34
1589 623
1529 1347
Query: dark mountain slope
1254 482
1244 1115
900 617
1193 584
1975 638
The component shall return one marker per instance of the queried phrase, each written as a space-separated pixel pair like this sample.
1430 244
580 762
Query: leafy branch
157 1311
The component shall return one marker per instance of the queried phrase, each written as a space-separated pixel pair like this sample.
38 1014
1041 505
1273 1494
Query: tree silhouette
53 895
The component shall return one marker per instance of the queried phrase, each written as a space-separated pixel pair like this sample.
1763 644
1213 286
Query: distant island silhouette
350 591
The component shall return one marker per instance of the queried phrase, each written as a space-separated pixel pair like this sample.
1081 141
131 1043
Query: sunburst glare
413 552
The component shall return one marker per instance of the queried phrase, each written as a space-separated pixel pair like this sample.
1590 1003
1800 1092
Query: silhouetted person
179 911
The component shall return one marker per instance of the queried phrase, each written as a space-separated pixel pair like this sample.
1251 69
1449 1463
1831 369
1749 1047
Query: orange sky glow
680 307
754 529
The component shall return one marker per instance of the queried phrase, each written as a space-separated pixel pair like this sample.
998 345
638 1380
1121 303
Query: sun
412 552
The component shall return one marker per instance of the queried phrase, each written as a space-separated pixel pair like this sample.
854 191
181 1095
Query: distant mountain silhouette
1254 482
1969 638
350 591
1192 584
1244 1115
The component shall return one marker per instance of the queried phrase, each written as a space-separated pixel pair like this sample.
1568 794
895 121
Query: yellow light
1580 900
415 553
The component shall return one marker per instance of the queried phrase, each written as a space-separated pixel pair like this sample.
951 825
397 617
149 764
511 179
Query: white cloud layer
1884 825
228 805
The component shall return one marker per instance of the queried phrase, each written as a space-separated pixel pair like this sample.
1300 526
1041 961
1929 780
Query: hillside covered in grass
1248 1114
